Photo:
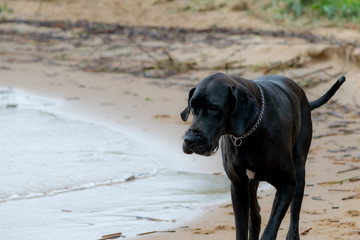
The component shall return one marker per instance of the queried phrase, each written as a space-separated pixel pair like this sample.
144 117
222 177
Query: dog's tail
322 100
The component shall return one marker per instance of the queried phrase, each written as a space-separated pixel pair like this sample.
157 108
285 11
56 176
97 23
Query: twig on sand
338 115
111 236
340 181
146 233
324 135
351 197
355 179
350 169
339 190
317 198
305 232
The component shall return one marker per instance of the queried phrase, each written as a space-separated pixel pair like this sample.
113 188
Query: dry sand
133 12
149 108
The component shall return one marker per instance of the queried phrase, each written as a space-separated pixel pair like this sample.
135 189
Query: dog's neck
237 141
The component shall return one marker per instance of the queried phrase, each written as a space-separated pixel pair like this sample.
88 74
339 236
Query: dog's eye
214 110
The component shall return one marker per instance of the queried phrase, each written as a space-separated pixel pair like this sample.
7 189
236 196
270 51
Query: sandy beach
121 83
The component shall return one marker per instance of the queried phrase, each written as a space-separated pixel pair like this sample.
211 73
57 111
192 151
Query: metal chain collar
238 140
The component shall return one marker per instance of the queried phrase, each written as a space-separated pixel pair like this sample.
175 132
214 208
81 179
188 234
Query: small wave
128 178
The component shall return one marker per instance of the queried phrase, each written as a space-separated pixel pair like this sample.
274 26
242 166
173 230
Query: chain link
238 140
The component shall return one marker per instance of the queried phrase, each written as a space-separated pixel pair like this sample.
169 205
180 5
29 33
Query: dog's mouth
204 152
200 148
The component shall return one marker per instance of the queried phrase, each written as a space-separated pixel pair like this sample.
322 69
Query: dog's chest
250 174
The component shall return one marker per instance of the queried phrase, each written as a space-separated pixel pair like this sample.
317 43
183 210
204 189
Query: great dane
265 129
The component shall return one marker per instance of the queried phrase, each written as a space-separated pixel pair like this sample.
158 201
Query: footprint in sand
212 231
225 227
203 231
353 213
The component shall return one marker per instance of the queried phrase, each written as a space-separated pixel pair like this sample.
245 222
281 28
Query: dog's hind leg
300 151
284 194
255 217
293 233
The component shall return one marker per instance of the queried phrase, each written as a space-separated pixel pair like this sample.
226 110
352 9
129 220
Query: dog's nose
189 139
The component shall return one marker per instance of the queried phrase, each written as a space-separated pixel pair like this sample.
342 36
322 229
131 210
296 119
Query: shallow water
43 154
171 197
67 179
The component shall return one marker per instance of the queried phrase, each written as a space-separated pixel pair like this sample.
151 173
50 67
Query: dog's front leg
240 202
283 198
255 217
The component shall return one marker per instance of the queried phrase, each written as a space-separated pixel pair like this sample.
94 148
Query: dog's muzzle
195 142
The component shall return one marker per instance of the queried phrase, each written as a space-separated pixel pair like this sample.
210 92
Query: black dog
267 129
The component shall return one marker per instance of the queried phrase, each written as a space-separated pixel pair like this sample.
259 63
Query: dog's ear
185 113
244 110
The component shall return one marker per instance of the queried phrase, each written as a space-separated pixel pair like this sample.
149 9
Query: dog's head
219 105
